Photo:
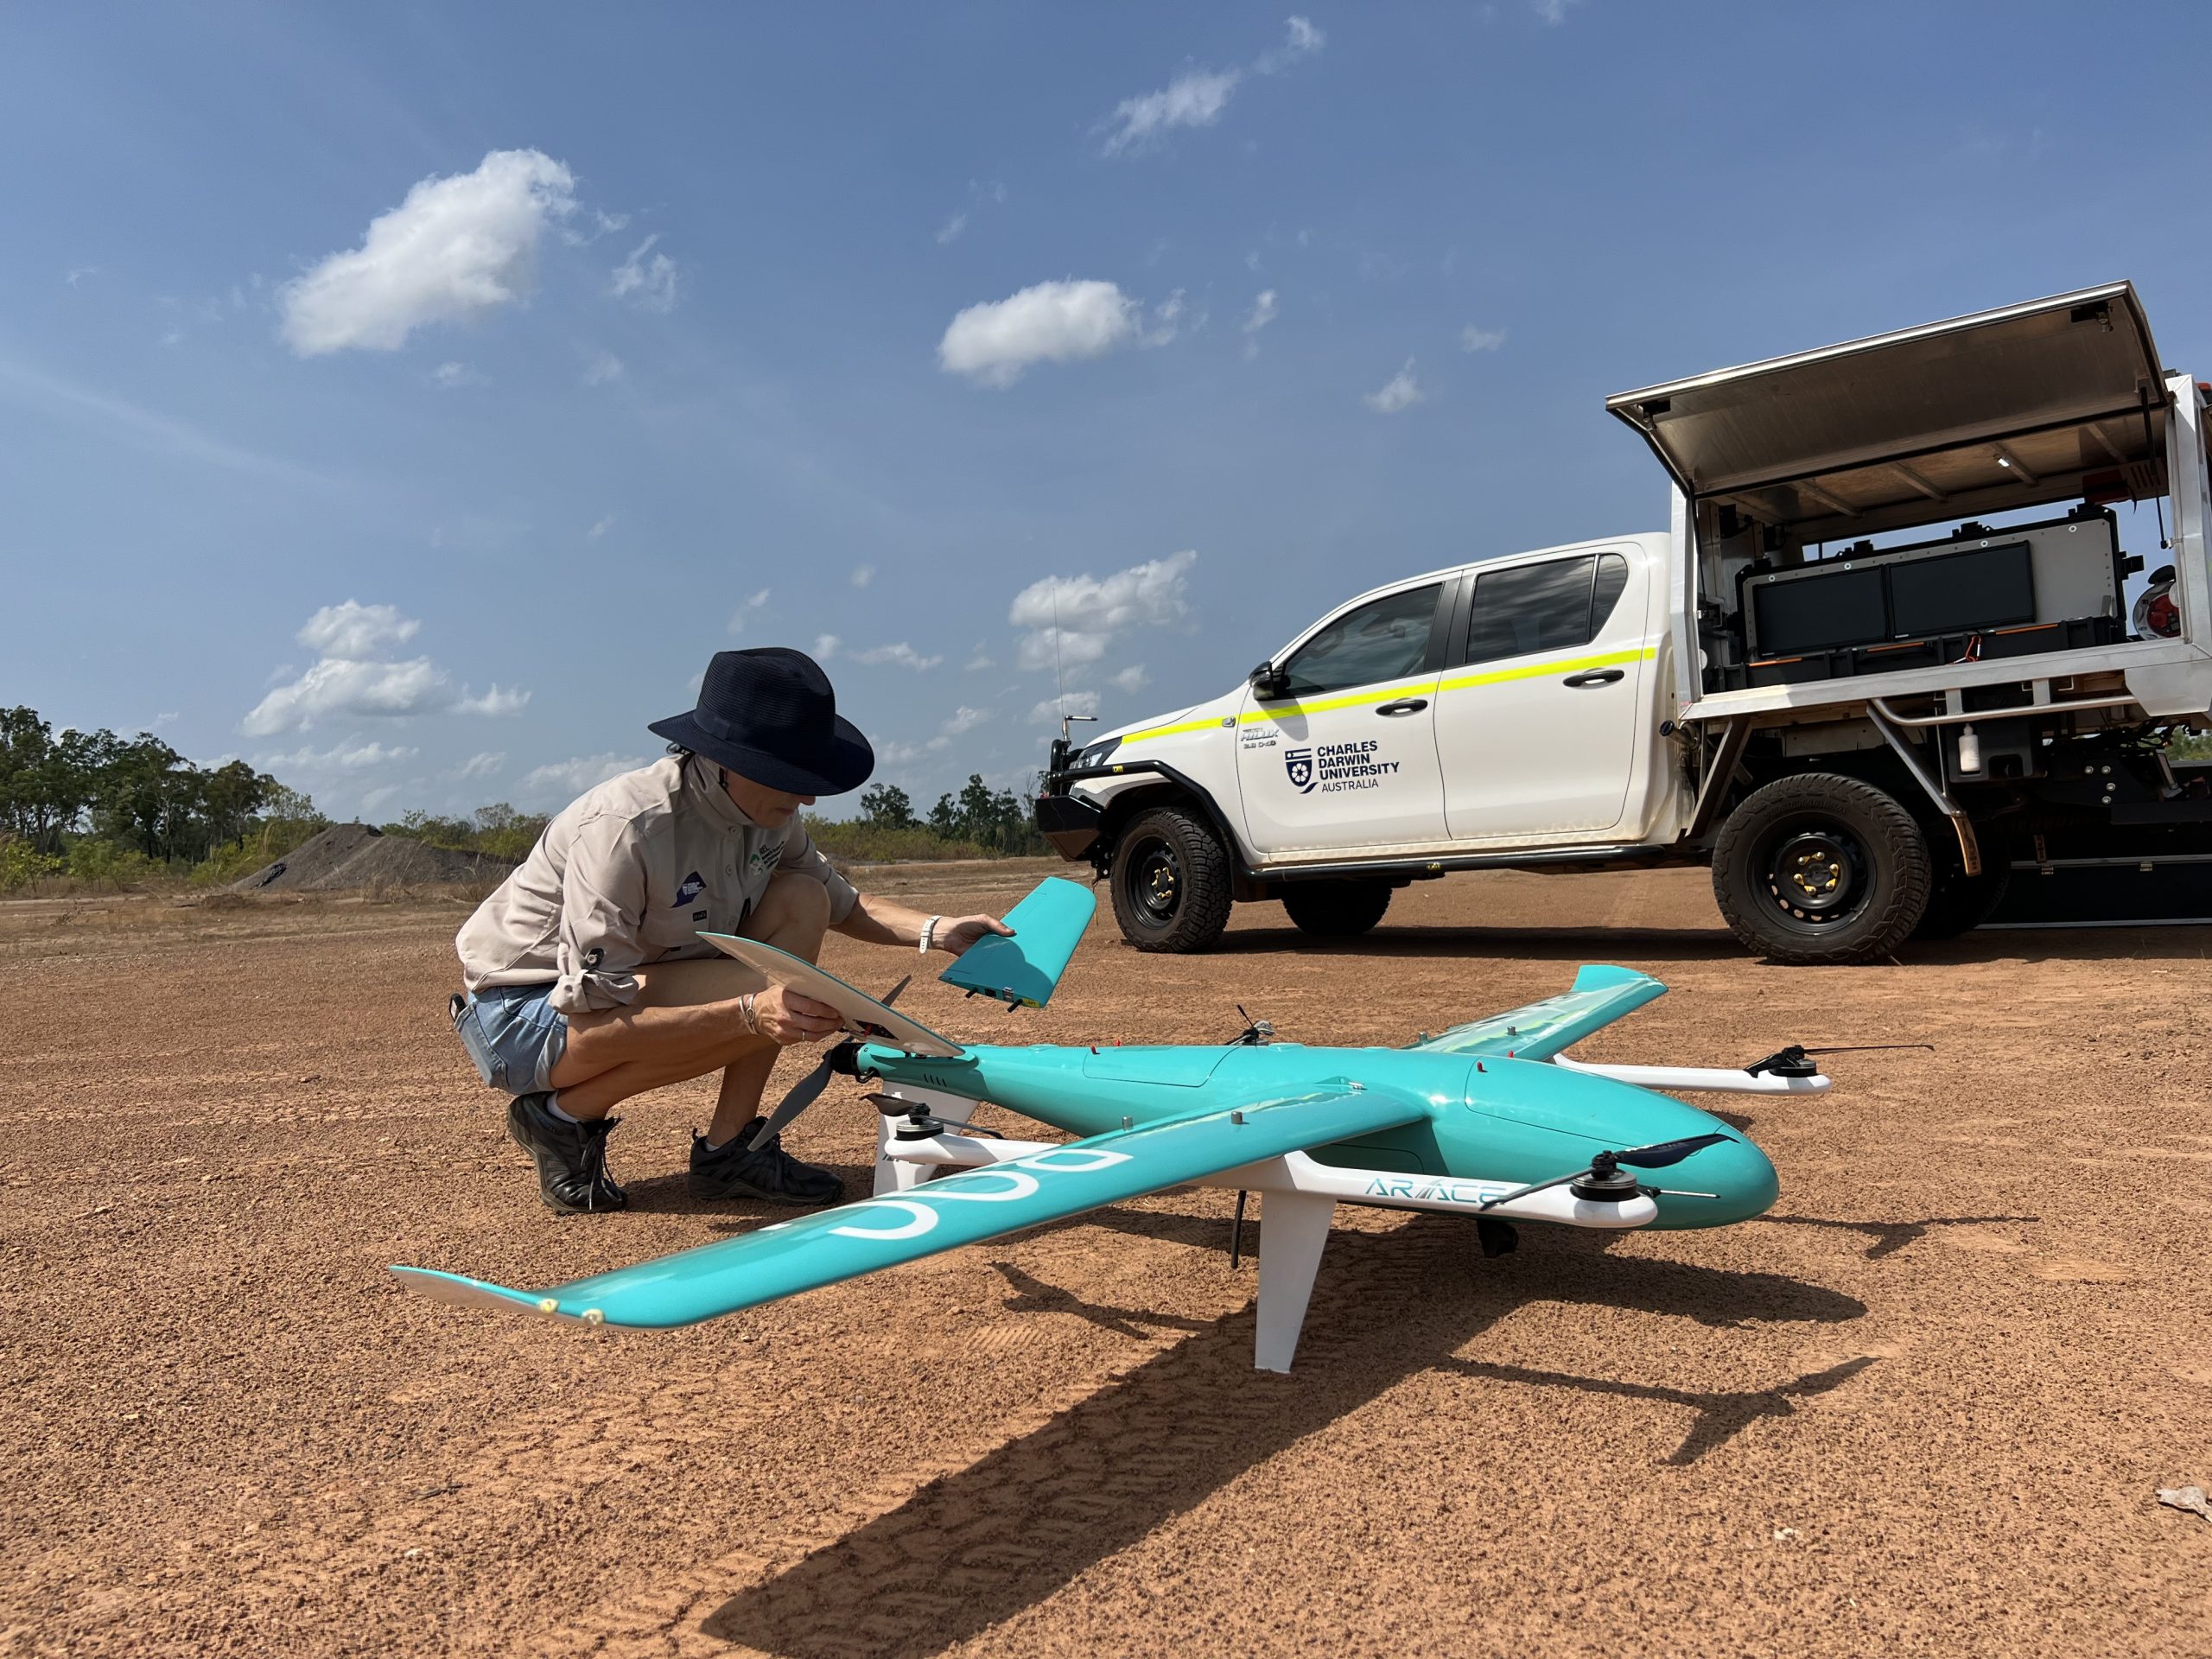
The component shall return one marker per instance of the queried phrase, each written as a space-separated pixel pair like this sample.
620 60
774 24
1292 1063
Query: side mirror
1268 682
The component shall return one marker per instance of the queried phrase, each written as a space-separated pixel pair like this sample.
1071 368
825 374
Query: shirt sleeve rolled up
602 907
802 857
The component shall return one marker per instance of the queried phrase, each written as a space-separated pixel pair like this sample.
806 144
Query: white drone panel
863 1016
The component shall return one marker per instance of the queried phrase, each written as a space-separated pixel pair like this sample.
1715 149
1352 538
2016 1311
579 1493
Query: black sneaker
732 1171
571 1158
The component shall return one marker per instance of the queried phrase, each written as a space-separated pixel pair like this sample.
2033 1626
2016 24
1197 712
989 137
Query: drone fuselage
1488 1118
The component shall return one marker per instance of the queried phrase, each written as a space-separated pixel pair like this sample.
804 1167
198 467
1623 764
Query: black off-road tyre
1170 882
1335 910
1820 869
1959 903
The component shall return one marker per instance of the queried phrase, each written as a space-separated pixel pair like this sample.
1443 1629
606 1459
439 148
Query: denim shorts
514 1035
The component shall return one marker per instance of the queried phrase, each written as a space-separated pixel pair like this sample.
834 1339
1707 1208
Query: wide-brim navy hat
770 715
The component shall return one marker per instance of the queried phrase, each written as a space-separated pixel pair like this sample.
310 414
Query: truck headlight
1099 754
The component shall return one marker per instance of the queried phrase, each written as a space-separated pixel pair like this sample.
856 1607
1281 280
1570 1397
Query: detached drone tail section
1023 969
1601 995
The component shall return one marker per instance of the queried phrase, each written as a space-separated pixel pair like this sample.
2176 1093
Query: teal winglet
1023 971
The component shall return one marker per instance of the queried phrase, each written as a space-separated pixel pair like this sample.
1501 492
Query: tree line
100 806
107 809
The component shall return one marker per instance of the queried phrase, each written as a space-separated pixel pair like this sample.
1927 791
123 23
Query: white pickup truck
1828 680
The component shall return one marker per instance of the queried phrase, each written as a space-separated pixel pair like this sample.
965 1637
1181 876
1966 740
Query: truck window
1381 640
1556 606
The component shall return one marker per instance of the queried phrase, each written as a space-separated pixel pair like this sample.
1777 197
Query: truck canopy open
2056 399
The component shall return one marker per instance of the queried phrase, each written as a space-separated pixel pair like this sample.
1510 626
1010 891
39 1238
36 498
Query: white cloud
604 367
495 701
1132 678
1263 313
455 249
863 575
1071 620
825 646
1473 338
483 765
356 630
963 720
755 601
1301 39
577 775
447 377
601 528
1168 320
1194 98
1554 12
377 798
979 659
339 757
898 755
354 678
980 195
336 686
900 654
1401 391
650 285
1055 323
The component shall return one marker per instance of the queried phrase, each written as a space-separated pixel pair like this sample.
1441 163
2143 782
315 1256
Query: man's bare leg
686 1021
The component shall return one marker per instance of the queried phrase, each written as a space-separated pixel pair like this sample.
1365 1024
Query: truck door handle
1594 676
1404 705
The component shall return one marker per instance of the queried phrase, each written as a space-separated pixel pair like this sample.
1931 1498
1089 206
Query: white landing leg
892 1176
1293 1227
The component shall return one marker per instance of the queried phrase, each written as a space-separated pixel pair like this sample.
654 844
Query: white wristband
929 933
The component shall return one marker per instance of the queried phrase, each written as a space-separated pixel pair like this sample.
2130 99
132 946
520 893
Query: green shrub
97 862
21 864
859 842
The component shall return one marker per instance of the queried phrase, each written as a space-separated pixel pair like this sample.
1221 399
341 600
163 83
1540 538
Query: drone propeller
1603 1181
808 1089
1795 1061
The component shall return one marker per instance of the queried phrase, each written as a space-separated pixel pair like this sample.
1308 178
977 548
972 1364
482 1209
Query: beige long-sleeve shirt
630 874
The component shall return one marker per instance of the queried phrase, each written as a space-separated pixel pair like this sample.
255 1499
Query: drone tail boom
1601 993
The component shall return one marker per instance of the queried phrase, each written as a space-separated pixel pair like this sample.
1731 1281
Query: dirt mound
361 855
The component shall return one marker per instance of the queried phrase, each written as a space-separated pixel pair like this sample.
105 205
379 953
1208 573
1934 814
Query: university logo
1299 763
693 885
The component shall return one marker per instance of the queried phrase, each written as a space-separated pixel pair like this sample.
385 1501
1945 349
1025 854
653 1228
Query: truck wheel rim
1154 879
1815 877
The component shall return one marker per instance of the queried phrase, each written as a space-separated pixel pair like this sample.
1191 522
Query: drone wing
1600 996
942 1214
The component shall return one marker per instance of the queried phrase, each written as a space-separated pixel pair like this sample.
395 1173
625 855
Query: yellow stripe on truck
1428 688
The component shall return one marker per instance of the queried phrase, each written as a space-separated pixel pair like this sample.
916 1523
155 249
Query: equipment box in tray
2017 592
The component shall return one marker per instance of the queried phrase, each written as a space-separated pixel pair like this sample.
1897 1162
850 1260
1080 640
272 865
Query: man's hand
783 1015
956 933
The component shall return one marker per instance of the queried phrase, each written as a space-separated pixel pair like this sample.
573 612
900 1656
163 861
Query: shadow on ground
973 1550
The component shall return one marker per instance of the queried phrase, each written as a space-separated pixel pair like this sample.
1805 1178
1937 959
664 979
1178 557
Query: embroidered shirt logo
769 856
694 885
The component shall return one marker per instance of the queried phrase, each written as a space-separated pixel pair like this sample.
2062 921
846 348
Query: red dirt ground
1922 1408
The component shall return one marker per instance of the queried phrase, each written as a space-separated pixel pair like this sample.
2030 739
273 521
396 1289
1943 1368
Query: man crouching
588 982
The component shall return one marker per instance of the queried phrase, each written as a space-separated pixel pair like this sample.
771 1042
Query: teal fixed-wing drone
1488 1120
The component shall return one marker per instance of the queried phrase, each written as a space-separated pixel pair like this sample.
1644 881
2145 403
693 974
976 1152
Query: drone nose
1737 1173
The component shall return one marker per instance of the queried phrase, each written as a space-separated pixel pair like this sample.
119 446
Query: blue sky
410 399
